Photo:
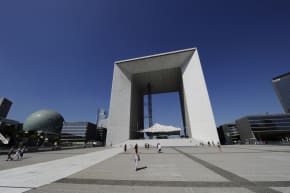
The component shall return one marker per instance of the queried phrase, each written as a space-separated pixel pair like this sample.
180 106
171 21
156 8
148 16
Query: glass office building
228 134
78 132
101 136
281 86
275 127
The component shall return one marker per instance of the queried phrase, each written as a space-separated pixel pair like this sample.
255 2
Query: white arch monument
177 71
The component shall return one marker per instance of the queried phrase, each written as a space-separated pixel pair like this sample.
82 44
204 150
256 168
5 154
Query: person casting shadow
11 151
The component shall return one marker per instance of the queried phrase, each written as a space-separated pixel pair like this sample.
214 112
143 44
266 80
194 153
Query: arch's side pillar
120 107
135 112
197 104
185 115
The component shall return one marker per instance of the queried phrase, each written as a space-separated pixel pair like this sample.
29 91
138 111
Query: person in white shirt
159 147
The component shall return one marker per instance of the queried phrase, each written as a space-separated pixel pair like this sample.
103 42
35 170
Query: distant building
8 128
228 134
5 105
281 86
101 136
103 123
78 132
46 121
267 128
102 118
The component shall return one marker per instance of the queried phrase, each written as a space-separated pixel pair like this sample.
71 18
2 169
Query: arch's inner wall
161 81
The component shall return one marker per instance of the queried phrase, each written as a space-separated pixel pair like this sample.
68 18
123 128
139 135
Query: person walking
158 147
136 156
22 152
219 146
125 148
17 153
10 152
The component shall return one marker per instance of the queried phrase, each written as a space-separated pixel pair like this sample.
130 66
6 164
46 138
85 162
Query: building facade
229 134
266 128
101 136
78 132
281 85
102 118
8 128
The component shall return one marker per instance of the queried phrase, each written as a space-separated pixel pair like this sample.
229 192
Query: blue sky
59 54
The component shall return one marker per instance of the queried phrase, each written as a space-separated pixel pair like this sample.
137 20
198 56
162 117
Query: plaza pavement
38 169
241 168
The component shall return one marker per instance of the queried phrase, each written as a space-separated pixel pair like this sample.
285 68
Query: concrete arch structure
178 71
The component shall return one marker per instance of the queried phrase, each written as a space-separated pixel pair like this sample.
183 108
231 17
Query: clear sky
59 54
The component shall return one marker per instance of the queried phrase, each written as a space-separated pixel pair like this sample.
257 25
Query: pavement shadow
19 159
141 168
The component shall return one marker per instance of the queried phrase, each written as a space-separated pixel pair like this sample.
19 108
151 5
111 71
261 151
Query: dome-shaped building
47 121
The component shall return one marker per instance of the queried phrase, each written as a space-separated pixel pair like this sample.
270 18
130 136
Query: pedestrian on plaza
136 148
22 152
219 146
17 153
10 152
125 147
158 147
136 156
146 145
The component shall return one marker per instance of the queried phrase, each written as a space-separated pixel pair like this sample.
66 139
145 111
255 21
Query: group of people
137 155
147 146
15 153
218 145
158 146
